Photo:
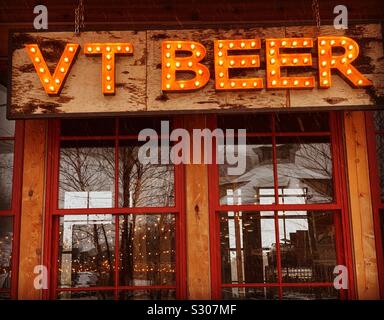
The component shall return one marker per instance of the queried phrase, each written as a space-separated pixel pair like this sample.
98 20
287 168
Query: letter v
52 84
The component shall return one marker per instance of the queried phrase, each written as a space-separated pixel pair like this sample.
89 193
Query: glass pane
250 293
147 250
143 185
6 237
248 247
7 127
310 293
6 174
307 246
86 251
379 120
87 171
255 185
304 166
86 295
162 294
252 122
132 126
88 127
380 162
302 122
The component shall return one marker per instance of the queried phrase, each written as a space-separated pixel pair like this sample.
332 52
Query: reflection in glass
161 294
307 246
7 127
380 162
6 237
86 295
247 242
263 293
310 293
86 251
143 185
249 188
304 166
147 250
86 174
6 174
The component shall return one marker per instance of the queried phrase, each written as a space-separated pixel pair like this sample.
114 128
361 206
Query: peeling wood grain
138 77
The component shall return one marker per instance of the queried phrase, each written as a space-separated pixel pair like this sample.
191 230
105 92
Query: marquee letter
108 52
276 60
340 62
171 64
224 61
52 84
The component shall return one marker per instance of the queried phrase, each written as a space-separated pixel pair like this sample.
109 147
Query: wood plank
361 212
208 98
32 207
197 222
82 92
139 77
370 63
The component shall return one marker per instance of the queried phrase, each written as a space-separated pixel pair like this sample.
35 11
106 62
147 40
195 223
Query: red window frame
340 204
54 214
14 211
377 204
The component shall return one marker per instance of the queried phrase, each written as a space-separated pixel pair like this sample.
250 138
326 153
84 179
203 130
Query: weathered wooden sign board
139 76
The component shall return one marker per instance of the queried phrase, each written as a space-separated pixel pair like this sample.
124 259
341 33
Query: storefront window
7 208
279 232
118 218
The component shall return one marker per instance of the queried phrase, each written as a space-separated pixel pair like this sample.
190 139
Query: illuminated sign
172 64
129 71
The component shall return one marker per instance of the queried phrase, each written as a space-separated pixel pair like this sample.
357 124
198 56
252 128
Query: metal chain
316 13
79 17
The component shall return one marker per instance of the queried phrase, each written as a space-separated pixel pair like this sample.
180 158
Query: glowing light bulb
190 64
37 59
200 71
168 55
41 70
33 50
220 54
349 71
89 49
167 85
108 49
221 74
177 64
57 81
193 46
233 84
222 84
182 85
295 83
197 83
274 82
360 82
168 46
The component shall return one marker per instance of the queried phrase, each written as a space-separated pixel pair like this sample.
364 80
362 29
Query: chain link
316 13
79 17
